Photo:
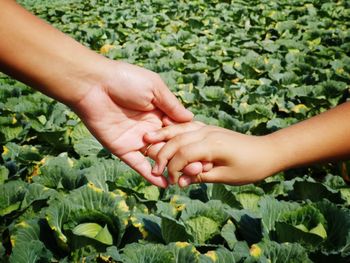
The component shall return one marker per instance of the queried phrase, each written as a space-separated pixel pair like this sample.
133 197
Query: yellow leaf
120 192
339 70
235 81
106 48
123 206
14 120
212 254
255 251
94 188
5 150
299 108
182 244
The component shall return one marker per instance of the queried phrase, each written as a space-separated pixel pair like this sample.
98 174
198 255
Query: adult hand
130 102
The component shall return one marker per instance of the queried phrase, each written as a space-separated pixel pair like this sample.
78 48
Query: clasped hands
131 111
128 102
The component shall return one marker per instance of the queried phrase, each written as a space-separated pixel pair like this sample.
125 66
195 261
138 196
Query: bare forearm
41 56
325 137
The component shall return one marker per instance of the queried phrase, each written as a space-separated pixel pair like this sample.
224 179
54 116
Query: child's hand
236 158
152 150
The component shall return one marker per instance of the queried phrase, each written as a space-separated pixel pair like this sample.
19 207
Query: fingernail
185 182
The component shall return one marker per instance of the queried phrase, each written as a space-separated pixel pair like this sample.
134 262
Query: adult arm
117 101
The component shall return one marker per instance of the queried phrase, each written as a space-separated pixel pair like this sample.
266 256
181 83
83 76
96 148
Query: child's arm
241 159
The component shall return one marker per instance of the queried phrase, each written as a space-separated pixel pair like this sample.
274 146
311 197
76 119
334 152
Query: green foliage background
249 66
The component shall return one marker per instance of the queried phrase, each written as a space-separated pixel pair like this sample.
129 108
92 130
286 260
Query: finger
151 150
172 146
170 132
216 175
196 168
169 104
193 169
141 165
167 121
197 151
207 166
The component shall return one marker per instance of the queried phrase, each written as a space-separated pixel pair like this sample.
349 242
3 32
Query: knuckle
165 132
161 157
177 139
181 153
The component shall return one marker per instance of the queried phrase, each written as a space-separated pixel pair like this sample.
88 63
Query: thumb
170 105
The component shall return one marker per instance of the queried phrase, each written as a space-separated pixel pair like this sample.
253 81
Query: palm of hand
121 130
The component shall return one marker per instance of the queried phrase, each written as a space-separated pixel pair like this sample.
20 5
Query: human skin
240 159
118 102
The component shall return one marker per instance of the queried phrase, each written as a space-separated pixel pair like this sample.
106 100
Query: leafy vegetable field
250 66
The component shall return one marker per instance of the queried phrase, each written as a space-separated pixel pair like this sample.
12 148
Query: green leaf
4 173
305 225
288 233
228 233
212 209
272 210
94 231
228 68
212 93
150 192
314 191
141 253
338 228
319 230
102 172
248 200
221 192
202 228
36 192
12 194
149 226
173 230
21 153
113 253
88 146
80 132
285 252
27 246
11 133
220 255
184 252
58 172
87 204
90 230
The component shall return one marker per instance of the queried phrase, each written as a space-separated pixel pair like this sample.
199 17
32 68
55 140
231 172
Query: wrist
51 61
283 155
70 79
